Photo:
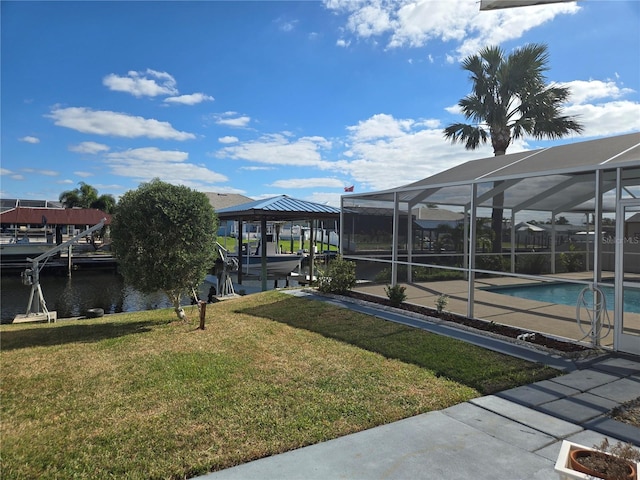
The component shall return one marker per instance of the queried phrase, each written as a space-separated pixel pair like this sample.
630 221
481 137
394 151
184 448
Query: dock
36 318
81 261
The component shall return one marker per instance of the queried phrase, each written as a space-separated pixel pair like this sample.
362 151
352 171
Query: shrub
490 262
396 294
441 302
571 261
339 276
533 264
420 274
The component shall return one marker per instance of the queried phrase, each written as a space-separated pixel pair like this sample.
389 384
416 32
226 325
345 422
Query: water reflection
72 297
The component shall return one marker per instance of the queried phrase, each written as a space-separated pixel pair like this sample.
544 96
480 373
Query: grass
138 395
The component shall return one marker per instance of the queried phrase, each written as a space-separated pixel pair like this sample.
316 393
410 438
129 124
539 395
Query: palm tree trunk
496 220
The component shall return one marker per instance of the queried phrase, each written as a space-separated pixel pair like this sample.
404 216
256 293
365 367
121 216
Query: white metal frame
623 342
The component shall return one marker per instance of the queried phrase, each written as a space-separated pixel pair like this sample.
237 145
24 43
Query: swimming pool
567 294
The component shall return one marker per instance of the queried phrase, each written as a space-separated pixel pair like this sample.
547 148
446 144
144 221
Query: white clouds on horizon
384 152
280 149
414 23
108 123
149 83
144 164
308 183
232 119
152 83
191 99
40 171
89 147
588 90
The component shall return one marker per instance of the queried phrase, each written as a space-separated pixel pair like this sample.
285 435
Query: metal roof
54 216
559 178
278 208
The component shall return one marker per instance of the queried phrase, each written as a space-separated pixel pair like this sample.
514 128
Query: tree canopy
86 196
510 98
164 237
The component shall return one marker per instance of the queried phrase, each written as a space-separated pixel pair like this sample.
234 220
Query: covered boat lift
276 209
597 178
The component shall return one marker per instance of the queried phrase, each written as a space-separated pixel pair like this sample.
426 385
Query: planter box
565 472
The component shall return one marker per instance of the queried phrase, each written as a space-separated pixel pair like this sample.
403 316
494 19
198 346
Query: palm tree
86 196
510 99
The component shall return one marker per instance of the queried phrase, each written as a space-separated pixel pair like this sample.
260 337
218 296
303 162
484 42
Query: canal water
72 297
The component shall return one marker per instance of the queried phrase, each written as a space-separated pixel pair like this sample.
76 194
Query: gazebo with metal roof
599 179
279 208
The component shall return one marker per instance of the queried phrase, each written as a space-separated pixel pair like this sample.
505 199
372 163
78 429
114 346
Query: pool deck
531 315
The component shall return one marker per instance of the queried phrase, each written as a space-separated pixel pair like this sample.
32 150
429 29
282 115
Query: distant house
45 221
632 226
225 200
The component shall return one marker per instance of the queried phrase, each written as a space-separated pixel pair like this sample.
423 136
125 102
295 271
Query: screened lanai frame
591 178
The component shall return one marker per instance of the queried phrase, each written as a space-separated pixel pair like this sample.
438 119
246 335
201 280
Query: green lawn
139 395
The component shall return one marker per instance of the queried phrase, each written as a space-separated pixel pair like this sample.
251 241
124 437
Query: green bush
571 262
441 302
420 274
533 264
339 276
489 262
396 294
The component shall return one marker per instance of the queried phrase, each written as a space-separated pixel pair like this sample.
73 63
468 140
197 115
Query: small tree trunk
175 300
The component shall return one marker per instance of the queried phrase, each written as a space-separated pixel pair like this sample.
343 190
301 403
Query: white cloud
606 119
326 198
386 152
191 99
380 126
583 90
414 23
65 182
83 174
150 83
37 171
308 183
11 174
89 147
256 168
228 139
279 149
30 139
286 25
148 154
104 122
171 166
232 119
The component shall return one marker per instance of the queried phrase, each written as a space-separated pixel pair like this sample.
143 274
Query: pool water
567 294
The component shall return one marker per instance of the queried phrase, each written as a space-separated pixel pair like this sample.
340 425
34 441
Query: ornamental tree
164 237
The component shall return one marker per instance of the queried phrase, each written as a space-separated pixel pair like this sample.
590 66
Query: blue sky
276 97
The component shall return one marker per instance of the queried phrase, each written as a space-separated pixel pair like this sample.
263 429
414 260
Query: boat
20 251
277 264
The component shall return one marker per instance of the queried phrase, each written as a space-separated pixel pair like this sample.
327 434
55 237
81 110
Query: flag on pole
348 189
